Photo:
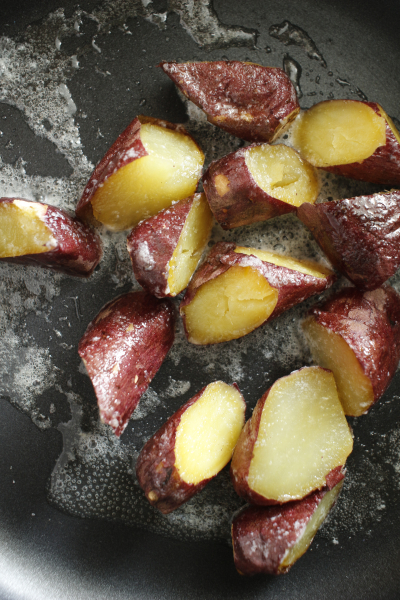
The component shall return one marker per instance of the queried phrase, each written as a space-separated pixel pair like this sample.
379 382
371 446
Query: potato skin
152 243
240 200
243 455
155 469
78 249
293 287
384 164
245 99
261 536
123 348
126 148
360 236
370 324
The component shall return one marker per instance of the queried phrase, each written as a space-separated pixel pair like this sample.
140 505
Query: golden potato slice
339 132
169 172
307 267
229 306
282 173
194 236
208 432
303 435
22 230
331 351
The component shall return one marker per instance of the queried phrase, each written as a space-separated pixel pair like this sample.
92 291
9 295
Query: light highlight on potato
282 173
208 432
303 435
339 132
169 172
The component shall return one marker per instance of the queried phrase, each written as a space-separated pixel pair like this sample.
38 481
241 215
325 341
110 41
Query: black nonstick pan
73 522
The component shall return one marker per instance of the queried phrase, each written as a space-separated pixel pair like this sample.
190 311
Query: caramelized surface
189 249
146 185
229 306
22 230
331 351
339 132
303 266
208 432
282 173
303 436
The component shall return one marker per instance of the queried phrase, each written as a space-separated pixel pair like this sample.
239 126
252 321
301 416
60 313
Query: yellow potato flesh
194 236
146 185
312 527
331 351
229 306
22 231
282 173
339 132
208 432
303 266
303 436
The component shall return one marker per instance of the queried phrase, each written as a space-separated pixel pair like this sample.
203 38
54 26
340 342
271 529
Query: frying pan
72 524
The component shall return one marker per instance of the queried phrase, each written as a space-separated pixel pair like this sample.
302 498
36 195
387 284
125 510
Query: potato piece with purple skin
250 101
192 447
270 539
34 233
165 249
360 236
296 441
238 289
152 164
352 138
257 183
122 350
357 336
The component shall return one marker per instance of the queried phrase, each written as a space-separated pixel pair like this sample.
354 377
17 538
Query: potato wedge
357 335
296 441
192 446
152 164
257 183
165 249
238 289
122 349
360 236
34 233
250 101
270 539
352 138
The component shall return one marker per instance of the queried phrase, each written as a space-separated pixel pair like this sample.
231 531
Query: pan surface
73 522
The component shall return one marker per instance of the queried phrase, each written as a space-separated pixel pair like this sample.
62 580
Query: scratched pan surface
73 523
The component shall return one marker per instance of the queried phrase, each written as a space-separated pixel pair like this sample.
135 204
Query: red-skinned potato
296 441
151 164
34 233
192 446
237 289
270 539
250 101
360 236
165 249
357 335
122 349
257 183
352 138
